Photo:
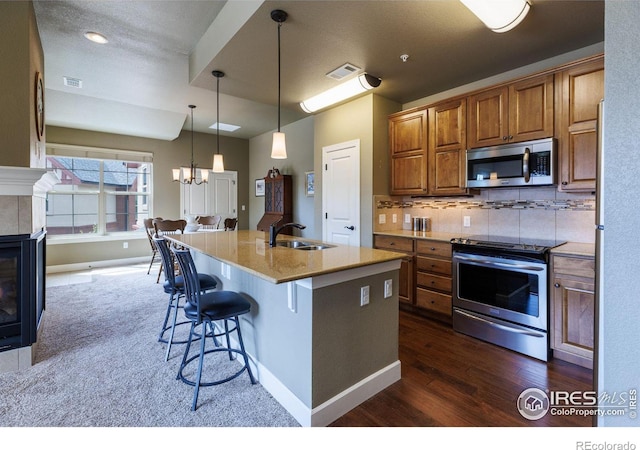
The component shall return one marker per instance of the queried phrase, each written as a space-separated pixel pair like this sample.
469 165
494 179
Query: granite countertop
250 251
575 249
433 235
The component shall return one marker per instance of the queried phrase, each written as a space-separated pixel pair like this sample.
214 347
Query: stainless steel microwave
531 163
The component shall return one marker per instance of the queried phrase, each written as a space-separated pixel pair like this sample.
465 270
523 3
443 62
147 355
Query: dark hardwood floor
453 380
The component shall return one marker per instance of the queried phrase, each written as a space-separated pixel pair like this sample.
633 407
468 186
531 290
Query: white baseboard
93 264
335 407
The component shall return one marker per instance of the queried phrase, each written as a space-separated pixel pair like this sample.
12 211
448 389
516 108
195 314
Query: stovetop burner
507 243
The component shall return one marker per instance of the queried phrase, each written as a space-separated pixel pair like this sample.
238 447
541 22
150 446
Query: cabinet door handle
556 285
564 183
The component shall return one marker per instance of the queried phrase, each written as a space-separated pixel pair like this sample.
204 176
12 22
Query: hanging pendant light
190 178
218 163
279 148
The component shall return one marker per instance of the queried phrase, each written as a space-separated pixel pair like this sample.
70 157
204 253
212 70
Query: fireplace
22 263
22 288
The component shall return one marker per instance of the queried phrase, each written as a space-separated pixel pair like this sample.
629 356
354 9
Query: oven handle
498 264
499 326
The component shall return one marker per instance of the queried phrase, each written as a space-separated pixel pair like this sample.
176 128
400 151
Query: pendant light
218 163
190 178
279 148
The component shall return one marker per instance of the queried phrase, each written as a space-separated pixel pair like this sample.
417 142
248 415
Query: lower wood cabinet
425 274
433 276
573 308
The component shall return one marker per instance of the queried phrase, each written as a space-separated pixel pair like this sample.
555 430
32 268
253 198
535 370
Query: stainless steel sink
291 244
302 245
314 247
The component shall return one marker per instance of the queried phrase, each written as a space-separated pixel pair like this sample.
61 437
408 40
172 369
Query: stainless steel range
500 291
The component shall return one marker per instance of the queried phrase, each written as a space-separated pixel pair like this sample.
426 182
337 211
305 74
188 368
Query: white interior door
194 197
223 192
341 193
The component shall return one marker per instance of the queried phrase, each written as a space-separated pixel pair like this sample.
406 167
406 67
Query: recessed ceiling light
225 127
96 37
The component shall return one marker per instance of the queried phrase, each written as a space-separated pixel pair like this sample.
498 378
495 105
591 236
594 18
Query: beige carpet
99 364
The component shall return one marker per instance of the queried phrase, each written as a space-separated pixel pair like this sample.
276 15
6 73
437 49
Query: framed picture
309 184
260 187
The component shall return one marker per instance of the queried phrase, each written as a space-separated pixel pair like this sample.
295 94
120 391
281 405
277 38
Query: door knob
350 228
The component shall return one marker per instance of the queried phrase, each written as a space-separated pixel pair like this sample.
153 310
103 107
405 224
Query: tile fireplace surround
22 211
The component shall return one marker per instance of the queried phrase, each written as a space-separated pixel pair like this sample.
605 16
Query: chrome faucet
273 231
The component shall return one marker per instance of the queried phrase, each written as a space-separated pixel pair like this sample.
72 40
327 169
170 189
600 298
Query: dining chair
230 224
174 286
209 222
155 257
203 309
168 226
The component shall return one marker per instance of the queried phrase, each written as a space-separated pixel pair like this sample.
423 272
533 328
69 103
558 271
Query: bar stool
174 286
203 309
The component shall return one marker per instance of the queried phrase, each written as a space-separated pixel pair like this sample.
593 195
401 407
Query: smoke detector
344 71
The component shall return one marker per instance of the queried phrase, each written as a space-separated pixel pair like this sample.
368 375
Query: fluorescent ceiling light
499 15
358 85
96 37
225 127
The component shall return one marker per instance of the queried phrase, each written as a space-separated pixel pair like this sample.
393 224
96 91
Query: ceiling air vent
72 82
343 71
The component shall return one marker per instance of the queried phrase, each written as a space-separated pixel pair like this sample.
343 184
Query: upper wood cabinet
446 147
520 111
408 152
579 89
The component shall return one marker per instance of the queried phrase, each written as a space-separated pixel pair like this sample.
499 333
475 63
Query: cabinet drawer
436 282
579 267
435 248
433 301
439 266
393 243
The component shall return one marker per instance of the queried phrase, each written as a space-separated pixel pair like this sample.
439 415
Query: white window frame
102 154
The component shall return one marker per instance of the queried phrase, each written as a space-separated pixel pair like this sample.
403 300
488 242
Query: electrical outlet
388 288
407 218
394 218
382 218
466 221
125 245
364 295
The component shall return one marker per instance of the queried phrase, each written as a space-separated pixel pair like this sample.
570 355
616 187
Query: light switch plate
407 218
382 218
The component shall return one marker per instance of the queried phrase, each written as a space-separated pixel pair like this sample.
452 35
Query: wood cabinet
407 270
433 277
573 308
447 142
278 200
408 152
520 111
579 90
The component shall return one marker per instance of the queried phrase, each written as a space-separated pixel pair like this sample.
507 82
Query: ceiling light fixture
190 178
218 163
499 15
279 147
96 37
362 83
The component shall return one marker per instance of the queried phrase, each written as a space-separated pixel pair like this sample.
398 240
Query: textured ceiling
161 53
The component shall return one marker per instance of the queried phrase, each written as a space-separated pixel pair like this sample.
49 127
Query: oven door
507 288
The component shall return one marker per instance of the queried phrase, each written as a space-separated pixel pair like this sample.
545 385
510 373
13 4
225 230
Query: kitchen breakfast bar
319 343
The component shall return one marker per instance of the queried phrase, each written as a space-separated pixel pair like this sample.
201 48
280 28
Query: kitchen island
315 343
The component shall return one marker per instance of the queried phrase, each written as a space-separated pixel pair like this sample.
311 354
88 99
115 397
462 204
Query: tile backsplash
543 213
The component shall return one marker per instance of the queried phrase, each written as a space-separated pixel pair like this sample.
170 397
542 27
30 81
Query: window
98 196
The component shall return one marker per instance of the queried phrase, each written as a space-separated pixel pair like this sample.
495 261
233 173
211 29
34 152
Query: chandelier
189 175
